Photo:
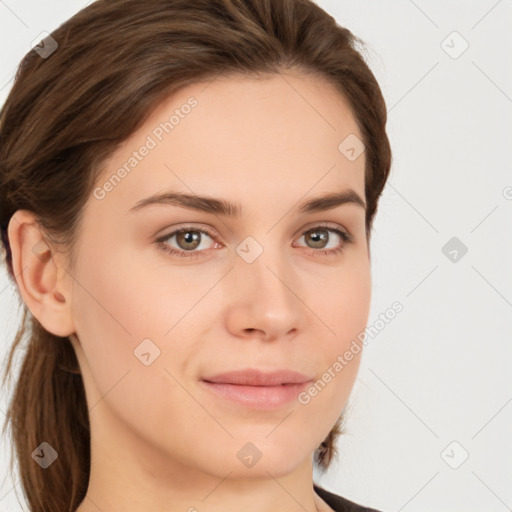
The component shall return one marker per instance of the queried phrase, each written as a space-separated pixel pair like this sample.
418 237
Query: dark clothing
339 503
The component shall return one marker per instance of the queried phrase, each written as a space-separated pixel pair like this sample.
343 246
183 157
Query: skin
159 440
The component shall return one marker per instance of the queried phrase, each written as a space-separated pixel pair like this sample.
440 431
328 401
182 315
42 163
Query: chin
276 458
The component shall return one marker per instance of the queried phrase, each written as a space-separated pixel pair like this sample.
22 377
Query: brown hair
116 61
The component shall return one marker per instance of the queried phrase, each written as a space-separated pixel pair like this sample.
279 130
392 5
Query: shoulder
340 504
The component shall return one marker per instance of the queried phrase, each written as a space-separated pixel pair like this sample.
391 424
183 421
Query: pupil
189 237
318 237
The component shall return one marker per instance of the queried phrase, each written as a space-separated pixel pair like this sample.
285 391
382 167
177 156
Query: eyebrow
228 209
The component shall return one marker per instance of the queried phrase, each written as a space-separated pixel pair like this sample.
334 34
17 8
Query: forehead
239 136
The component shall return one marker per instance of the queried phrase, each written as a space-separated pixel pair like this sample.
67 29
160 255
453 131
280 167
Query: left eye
189 239
322 234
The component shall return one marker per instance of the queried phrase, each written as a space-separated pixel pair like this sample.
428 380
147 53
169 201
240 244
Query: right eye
185 236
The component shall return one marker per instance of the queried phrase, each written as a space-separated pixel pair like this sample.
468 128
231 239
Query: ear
44 285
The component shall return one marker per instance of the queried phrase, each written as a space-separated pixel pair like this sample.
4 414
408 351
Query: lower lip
257 397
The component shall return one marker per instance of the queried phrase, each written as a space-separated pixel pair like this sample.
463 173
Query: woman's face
257 287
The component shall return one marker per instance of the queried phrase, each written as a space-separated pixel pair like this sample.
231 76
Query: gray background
433 386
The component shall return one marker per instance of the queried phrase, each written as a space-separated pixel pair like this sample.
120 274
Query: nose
266 297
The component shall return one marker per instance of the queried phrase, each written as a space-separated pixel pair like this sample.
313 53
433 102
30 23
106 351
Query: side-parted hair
115 62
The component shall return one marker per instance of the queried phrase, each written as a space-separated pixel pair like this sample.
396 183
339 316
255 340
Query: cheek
122 295
121 315
345 311
344 305
124 310
115 309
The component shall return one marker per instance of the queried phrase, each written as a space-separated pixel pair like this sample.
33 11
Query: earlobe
36 274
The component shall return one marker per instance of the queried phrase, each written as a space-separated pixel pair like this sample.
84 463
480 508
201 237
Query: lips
255 377
256 389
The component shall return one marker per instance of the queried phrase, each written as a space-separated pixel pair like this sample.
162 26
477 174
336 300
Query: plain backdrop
431 411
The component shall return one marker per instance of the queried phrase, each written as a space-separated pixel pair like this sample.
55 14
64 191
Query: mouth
256 389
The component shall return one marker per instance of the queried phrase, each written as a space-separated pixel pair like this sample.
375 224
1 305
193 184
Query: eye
189 240
319 236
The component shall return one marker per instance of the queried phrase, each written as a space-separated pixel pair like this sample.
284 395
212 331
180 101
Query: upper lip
255 377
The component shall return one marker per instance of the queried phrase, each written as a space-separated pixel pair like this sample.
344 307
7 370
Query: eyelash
347 238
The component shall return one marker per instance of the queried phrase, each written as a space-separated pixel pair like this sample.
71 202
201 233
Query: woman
187 194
